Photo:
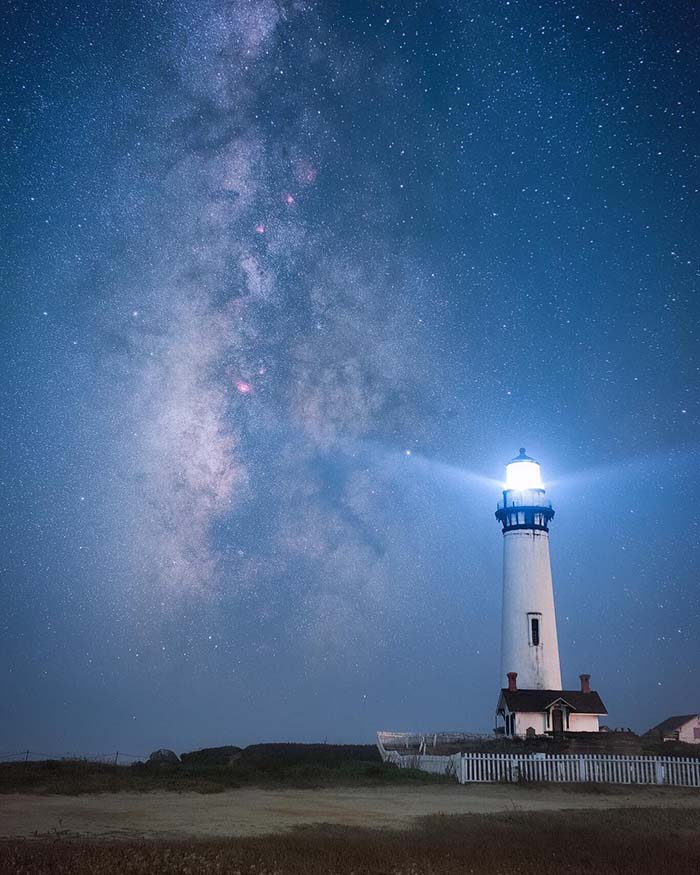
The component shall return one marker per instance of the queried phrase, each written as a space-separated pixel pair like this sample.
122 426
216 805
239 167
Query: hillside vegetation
213 770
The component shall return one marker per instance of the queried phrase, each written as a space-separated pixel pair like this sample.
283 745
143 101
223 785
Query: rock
164 756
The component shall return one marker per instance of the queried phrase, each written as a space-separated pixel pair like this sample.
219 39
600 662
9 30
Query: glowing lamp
523 473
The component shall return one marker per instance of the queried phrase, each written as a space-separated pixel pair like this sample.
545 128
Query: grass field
621 842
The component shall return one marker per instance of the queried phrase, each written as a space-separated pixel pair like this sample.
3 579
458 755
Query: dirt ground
252 811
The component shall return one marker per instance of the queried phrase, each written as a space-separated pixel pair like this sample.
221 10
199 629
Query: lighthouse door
557 720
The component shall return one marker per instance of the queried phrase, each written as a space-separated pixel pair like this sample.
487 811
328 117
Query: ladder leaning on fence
568 768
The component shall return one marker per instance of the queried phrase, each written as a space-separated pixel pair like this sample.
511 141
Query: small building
685 727
544 712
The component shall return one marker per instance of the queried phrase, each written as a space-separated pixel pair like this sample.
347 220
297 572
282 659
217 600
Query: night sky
285 285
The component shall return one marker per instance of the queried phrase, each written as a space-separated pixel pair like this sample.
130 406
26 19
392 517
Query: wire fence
425 740
115 758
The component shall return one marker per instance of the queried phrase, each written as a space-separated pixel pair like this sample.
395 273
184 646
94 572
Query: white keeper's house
533 702
685 727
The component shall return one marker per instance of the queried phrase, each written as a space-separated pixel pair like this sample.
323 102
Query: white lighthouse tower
529 645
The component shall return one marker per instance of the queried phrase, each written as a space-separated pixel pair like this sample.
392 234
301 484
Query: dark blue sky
285 286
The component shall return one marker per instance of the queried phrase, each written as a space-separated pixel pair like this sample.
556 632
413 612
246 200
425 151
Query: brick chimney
585 683
512 685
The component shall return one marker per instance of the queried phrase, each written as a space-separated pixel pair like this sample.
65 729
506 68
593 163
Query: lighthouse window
535 631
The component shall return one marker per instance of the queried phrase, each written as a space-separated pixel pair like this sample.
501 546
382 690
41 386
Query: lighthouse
529 645
533 702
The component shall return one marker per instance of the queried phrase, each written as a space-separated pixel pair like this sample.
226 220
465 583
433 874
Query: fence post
116 758
26 756
582 769
659 777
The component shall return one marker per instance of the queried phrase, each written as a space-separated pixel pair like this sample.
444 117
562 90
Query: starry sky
285 285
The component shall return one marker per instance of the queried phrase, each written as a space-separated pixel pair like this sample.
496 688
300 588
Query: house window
696 732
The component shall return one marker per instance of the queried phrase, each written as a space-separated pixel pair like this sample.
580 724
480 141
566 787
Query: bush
212 756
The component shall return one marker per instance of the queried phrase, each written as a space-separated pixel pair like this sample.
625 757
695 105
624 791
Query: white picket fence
570 768
470 768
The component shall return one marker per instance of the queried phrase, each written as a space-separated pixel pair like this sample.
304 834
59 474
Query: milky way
262 348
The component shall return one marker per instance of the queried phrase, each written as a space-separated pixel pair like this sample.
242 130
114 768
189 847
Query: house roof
540 700
671 723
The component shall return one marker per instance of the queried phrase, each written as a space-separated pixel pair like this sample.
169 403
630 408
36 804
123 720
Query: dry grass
623 842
